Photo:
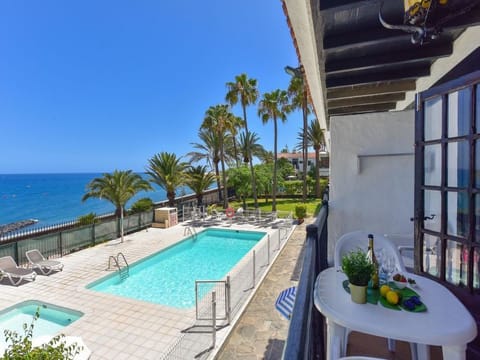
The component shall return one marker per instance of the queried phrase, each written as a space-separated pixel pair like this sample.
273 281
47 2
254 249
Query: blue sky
93 86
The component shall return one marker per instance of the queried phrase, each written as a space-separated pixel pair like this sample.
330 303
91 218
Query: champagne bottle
371 256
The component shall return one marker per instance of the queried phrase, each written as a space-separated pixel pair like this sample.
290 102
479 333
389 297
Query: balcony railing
306 331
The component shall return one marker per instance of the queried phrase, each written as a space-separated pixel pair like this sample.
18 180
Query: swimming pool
52 319
168 277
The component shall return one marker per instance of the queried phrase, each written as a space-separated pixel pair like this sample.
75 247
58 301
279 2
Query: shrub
87 219
293 187
300 211
142 205
20 347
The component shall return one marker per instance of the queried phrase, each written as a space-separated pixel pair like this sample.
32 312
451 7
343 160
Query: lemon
392 297
384 289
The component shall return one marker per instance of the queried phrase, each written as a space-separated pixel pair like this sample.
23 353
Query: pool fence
220 301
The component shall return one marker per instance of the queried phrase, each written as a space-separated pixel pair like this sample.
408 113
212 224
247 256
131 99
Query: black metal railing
306 331
64 238
71 238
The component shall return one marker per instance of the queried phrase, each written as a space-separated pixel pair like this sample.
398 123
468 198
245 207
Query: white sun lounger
38 261
10 270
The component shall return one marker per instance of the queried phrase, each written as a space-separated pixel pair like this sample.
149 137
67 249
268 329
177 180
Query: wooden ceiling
367 67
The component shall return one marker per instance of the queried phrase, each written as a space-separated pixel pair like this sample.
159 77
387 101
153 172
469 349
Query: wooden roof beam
412 73
333 4
365 100
427 52
362 109
362 37
371 89
378 34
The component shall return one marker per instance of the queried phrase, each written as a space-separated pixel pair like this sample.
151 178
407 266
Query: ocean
55 198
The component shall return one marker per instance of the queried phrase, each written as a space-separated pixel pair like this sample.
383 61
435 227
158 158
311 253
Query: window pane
433 118
457 264
458 161
459 111
476 259
432 207
431 255
457 213
433 164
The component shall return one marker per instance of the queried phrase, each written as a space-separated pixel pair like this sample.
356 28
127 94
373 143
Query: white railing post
228 301
214 319
268 250
196 299
253 277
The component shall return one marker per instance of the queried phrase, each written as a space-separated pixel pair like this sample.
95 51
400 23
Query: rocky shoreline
17 225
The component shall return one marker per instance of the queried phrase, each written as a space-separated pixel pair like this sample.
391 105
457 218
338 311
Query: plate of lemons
397 299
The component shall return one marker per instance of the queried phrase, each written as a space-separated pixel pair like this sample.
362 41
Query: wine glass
380 254
388 265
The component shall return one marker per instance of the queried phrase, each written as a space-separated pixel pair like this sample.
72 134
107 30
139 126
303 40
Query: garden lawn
283 204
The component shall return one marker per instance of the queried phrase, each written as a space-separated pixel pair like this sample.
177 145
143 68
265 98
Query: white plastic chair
404 243
359 239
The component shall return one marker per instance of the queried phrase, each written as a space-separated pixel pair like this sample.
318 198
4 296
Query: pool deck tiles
114 327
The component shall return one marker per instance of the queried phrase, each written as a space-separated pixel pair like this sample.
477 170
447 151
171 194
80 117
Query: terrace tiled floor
261 331
113 327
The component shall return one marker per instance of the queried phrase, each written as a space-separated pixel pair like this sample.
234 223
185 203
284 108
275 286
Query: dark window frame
472 82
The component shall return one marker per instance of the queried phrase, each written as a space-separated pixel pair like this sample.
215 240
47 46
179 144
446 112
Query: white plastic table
446 323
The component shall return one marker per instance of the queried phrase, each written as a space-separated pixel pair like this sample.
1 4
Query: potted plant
300 212
358 269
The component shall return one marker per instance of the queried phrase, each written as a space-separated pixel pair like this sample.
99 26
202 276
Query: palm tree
218 119
199 180
274 106
297 92
235 124
249 143
118 188
266 157
167 171
315 139
244 90
208 150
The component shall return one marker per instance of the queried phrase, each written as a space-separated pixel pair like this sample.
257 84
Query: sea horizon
54 198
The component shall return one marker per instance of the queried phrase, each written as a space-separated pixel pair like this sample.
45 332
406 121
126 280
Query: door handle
431 217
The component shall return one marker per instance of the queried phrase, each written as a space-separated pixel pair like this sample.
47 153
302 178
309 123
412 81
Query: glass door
447 189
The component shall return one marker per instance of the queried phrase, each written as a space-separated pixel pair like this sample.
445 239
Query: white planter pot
358 293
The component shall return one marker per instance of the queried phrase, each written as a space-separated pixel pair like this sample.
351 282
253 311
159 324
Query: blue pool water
168 277
52 319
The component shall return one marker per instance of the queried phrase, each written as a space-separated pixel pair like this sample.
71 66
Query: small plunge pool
51 321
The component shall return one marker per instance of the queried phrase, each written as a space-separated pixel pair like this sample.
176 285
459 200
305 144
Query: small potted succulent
358 269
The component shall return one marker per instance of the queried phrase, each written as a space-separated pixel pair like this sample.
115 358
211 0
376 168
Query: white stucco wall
376 196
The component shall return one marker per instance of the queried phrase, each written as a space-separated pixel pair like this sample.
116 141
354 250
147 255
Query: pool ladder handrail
124 271
190 230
